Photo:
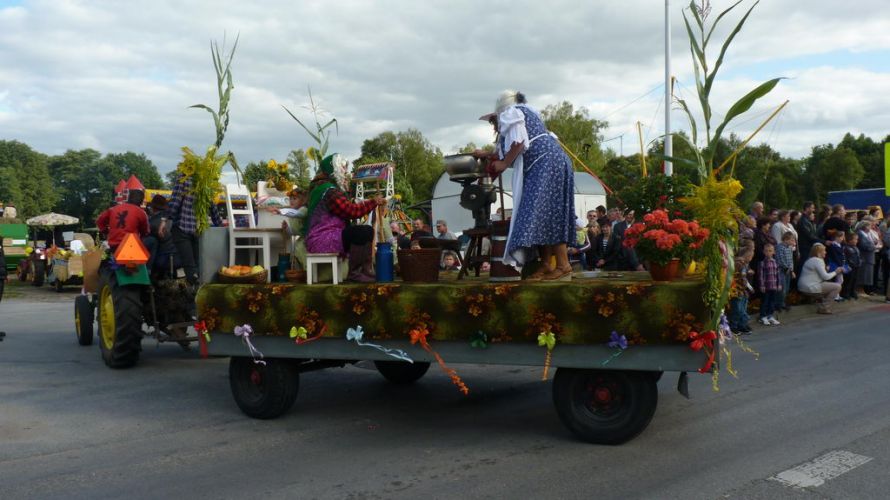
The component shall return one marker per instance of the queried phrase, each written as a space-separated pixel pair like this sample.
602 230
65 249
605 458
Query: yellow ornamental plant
204 173
279 175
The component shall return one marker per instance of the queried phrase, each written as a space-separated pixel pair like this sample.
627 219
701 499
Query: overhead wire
633 101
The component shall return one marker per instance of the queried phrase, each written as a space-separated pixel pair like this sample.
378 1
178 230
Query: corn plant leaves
709 80
745 103
719 17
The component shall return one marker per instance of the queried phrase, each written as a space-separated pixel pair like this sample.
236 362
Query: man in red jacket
125 218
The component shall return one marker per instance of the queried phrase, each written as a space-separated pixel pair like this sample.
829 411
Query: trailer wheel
604 406
264 391
39 272
83 320
120 323
402 372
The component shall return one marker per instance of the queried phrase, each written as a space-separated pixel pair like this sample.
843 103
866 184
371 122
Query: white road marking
824 468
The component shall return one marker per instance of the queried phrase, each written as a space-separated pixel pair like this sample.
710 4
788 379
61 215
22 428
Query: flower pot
664 272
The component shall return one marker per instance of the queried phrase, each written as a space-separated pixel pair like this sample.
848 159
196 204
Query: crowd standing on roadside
827 253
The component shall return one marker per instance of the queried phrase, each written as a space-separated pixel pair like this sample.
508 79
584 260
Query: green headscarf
318 188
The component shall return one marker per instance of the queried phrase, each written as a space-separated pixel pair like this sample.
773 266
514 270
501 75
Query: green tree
578 131
418 162
170 178
300 168
870 155
831 169
254 172
85 182
136 164
25 180
684 160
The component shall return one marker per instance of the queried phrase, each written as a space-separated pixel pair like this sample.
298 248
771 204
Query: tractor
132 303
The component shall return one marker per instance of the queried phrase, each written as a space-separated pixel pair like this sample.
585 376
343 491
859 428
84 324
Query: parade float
606 340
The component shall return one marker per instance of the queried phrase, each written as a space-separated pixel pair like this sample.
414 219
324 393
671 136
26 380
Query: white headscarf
505 100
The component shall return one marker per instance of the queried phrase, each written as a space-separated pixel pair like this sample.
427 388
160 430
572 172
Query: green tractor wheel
120 323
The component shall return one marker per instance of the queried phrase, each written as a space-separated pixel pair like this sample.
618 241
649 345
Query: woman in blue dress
543 219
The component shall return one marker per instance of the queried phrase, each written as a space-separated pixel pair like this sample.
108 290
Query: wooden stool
314 259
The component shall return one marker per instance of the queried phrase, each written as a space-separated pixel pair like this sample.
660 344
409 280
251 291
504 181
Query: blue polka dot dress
546 212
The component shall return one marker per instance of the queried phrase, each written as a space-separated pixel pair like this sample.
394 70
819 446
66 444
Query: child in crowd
741 288
853 260
449 261
577 250
834 257
785 259
770 285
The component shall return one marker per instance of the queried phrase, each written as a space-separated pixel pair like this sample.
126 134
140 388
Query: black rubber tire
605 406
126 337
58 285
23 271
39 272
83 320
264 391
402 372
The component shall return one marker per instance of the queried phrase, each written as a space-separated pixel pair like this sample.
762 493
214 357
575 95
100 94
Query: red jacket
121 219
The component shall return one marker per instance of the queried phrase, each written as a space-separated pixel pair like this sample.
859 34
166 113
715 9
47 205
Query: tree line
81 183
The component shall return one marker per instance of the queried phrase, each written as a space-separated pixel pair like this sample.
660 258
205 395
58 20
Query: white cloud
120 75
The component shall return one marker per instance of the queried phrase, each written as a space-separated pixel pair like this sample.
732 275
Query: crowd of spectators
829 254
599 244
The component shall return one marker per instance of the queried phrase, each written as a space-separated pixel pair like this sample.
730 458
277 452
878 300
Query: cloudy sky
119 75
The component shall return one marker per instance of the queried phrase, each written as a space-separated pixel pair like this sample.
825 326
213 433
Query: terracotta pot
665 272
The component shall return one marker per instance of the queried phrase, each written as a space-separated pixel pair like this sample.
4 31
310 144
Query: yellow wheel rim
106 317
77 321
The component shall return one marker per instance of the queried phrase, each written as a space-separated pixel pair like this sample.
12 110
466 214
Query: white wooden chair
249 237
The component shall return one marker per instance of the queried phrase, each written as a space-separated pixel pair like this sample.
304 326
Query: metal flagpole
668 91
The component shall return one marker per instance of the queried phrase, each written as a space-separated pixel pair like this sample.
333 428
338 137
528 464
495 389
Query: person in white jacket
815 280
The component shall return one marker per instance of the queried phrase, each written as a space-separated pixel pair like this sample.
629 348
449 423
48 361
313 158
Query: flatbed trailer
603 392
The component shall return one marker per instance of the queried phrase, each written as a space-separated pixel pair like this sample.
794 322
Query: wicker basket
420 265
250 279
295 275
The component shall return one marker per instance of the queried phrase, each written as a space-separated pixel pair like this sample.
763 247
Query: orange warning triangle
131 251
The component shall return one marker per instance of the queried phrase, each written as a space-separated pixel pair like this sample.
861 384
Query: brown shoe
539 274
562 274
824 310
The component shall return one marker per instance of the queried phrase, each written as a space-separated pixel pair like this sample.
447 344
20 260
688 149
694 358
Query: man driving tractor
125 218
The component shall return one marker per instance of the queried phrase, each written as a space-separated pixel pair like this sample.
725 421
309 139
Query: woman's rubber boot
360 264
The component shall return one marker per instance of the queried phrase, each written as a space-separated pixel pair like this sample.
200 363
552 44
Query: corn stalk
321 135
224 86
700 33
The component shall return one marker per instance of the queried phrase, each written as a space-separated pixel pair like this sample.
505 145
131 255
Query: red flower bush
659 239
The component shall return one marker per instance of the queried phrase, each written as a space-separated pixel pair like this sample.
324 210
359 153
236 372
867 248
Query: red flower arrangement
659 239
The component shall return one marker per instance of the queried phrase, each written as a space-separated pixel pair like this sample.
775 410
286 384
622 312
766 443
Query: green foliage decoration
204 172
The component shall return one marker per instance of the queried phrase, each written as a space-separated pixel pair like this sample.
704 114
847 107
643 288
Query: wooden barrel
499 270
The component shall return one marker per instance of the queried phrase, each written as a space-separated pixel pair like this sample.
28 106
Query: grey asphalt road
71 428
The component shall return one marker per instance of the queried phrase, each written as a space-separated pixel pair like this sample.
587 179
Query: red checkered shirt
342 207
768 275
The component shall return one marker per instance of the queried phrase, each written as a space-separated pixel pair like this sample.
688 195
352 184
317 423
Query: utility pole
668 91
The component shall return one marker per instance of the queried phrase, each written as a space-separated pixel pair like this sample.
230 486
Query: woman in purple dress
543 219
330 211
